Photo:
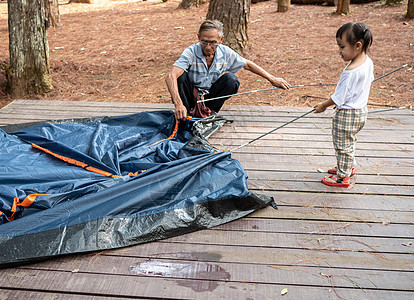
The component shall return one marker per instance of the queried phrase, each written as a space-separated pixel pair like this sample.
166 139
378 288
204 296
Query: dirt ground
121 50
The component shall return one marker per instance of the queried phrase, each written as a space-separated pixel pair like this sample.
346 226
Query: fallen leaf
22 274
385 223
75 271
407 244
284 291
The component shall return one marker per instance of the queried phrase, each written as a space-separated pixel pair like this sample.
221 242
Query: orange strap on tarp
61 157
76 162
173 133
136 173
25 203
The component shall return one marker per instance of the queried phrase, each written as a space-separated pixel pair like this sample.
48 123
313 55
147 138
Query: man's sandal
332 180
333 171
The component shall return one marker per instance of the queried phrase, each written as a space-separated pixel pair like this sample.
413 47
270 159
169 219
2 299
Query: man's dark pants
226 84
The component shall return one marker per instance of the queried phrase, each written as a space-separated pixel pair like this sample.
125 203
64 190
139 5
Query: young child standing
350 98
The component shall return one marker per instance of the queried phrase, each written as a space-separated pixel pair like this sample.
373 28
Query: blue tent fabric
157 187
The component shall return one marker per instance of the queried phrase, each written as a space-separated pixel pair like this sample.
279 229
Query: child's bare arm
321 107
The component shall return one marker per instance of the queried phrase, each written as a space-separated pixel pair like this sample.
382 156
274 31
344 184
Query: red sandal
342 182
333 171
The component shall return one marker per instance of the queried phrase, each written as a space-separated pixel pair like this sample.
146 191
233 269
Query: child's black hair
355 32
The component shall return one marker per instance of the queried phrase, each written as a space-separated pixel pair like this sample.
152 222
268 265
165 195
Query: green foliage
4 66
392 2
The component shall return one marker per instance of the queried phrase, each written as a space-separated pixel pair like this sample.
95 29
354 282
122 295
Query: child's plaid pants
346 123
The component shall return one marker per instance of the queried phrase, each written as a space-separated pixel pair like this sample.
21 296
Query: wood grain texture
322 243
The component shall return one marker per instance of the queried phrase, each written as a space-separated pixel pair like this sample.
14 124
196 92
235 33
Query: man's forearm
180 111
278 82
173 89
252 67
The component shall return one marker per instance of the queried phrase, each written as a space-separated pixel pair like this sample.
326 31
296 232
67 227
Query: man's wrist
176 101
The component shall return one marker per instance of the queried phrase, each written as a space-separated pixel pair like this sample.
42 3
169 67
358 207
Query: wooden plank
341 215
48 106
395 180
319 118
403 138
295 163
381 205
340 201
15 293
85 104
230 273
232 143
312 131
355 188
122 108
321 243
332 227
53 113
229 111
306 134
301 110
48 110
272 255
231 108
321 152
61 114
303 241
137 286
15 118
400 121
376 124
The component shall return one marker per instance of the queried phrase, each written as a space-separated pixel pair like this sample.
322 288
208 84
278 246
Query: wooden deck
322 243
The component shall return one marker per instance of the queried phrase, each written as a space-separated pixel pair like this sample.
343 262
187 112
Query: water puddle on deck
204 276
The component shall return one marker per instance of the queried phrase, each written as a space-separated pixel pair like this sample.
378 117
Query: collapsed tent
83 185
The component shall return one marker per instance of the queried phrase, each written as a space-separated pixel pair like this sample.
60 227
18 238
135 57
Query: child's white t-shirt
352 90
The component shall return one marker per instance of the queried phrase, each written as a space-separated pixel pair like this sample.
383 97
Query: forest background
121 51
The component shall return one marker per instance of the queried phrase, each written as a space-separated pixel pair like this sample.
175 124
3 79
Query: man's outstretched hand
279 82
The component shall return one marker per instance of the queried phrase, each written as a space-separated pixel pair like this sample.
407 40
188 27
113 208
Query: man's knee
231 80
183 79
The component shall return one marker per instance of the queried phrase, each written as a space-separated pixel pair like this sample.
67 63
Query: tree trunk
283 5
52 13
343 7
234 14
29 49
188 4
410 10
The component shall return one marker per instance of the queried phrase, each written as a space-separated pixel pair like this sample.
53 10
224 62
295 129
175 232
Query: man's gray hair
212 24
